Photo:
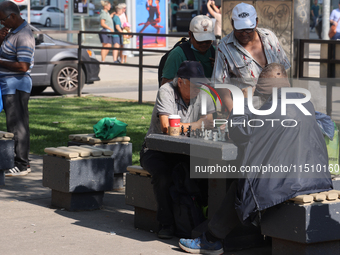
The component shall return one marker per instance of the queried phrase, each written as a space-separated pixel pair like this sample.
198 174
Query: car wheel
65 79
37 90
48 22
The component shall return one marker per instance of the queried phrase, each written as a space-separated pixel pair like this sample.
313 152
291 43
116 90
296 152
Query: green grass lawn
52 120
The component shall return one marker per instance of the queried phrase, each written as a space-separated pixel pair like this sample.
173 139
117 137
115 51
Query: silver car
63 77
45 15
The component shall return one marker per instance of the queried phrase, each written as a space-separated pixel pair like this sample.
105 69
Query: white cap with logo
244 16
202 27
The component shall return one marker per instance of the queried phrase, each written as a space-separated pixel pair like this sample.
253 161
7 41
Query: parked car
45 15
62 77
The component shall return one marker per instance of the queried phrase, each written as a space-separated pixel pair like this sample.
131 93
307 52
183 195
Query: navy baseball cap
191 69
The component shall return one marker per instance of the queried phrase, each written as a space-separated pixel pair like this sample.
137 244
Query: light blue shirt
18 46
335 15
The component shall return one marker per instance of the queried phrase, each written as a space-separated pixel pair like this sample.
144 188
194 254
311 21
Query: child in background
126 41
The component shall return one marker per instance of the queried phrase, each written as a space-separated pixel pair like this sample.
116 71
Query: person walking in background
183 5
106 23
204 8
117 26
91 13
126 41
174 8
334 20
217 14
314 13
17 55
123 19
91 9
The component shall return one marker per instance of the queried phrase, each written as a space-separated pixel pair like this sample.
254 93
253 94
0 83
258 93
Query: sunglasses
248 31
4 19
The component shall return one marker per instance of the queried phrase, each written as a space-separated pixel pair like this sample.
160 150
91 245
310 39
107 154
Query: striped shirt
235 65
18 46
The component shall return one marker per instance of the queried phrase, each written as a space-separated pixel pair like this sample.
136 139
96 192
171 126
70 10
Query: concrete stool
6 154
139 193
78 176
307 224
122 153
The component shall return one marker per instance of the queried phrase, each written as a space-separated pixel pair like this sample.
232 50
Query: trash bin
183 19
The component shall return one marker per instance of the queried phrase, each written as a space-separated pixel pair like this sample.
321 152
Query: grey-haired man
178 97
244 52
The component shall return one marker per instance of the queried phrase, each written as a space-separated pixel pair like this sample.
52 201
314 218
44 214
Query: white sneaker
15 171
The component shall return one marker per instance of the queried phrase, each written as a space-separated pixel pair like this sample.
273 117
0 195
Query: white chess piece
215 137
206 135
202 127
223 135
219 134
210 135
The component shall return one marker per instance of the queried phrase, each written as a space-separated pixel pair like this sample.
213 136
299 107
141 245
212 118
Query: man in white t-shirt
334 19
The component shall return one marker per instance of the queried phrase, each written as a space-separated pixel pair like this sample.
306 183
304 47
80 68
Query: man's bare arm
15 66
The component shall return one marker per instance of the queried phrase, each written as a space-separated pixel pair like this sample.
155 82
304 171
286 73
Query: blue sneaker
201 245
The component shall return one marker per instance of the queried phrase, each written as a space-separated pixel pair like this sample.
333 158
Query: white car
45 15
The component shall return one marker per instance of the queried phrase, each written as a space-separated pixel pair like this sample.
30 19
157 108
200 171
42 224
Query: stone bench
121 148
78 176
307 224
6 154
139 193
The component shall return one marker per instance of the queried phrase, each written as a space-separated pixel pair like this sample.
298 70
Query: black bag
187 201
188 52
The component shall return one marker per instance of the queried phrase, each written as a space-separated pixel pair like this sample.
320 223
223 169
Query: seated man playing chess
184 98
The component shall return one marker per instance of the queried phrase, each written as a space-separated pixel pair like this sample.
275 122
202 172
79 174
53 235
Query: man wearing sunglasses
201 33
244 52
16 61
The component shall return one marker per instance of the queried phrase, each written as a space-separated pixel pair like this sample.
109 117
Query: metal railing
140 50
80 46
330 79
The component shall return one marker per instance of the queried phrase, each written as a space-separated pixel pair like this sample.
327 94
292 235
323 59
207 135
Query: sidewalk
29 225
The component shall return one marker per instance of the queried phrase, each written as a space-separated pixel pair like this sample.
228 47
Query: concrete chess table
121 148
78 176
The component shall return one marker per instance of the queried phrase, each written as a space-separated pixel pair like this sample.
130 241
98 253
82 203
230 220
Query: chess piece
206 135
202 127
182 130
210 135
215 136
189 131
223 135
197 132
219 134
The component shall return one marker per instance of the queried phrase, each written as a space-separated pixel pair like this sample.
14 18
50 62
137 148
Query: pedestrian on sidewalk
126 41
17 51
117 26
107 26
314 13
